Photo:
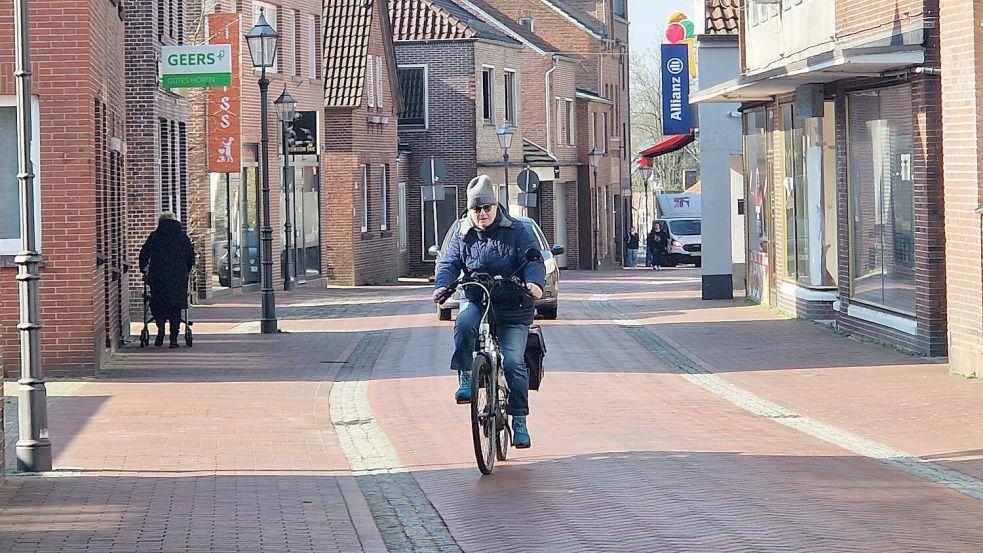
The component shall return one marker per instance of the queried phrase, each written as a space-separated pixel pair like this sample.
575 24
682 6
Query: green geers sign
196 66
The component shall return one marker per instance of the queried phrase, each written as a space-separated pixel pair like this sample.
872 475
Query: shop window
413 86
882 241
757 139
805 198
401 216
384 197
9 167
363 187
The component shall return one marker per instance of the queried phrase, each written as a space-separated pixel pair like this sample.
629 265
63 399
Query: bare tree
646 121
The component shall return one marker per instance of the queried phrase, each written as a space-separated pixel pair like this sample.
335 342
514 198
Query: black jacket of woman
658 244
167 258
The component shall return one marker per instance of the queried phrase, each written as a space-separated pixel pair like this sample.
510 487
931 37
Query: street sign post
196 66
528 181
432 173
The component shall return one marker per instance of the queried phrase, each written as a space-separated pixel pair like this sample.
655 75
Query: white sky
649 19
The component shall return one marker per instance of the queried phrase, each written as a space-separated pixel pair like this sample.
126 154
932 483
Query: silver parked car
545 306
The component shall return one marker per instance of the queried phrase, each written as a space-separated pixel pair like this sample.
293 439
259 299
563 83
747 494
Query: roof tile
721 17
347 24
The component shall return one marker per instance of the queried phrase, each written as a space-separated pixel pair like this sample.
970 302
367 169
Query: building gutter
549 107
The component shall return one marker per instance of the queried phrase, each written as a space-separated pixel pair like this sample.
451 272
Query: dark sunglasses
485 208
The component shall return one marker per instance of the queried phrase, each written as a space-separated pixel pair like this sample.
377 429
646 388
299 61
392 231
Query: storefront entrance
304 185
235 211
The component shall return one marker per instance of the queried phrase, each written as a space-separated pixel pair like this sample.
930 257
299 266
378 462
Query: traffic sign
433 171
528 181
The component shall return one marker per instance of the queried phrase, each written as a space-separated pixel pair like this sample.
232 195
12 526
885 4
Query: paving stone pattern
405 517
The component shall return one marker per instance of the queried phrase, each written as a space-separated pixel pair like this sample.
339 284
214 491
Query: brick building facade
79 151
594 34
558 119
962 98
360 107
844 184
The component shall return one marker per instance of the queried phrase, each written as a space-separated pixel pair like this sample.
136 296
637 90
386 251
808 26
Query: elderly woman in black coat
166 259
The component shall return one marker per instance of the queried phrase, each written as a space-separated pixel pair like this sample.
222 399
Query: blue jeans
633 258
512 340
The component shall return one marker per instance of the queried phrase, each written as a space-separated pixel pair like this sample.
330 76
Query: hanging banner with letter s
224 153
676 112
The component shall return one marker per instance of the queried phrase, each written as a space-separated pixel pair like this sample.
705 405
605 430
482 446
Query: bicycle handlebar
487 282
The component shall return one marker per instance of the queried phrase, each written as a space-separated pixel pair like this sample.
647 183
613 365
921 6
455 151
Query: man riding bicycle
487 240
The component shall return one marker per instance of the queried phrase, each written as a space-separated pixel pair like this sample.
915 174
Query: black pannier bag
535 351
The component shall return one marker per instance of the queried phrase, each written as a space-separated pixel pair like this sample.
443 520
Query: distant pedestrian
166 259
631 245
658 245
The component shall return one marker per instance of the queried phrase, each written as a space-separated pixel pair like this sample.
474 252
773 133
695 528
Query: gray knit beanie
481 191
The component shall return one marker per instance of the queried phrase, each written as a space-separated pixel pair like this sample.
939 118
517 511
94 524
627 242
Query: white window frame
570 116
271 17
12 246
401 217
383 197
592 129
426 93
311 47
379 82
370 79
488 104
363 183
511 97
531 26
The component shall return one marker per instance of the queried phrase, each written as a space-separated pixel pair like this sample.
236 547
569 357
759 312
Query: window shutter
370 80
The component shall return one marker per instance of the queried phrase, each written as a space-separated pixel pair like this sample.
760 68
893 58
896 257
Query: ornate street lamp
33 446
505 133
286 107
262 40
595 158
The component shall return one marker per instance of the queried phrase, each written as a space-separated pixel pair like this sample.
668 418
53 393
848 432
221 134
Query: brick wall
860 21
962 97
352 256
68 82
451 136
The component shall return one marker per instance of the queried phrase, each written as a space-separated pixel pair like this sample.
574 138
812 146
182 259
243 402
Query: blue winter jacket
498 250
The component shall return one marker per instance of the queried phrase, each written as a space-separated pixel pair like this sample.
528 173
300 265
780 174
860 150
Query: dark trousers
167 314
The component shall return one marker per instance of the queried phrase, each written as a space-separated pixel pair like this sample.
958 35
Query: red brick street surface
665 423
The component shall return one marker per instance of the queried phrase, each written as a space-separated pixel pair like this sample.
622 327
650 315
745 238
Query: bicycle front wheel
483 407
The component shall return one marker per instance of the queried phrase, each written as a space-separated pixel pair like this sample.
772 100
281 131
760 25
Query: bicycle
490 429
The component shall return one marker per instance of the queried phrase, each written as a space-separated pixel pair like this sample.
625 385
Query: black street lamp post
505 133
646 173
33 445
262 40
286 107
595 158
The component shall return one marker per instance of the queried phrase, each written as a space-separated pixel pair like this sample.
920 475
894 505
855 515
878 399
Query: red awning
668 145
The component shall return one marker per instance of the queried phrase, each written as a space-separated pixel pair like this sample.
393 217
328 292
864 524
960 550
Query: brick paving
664 424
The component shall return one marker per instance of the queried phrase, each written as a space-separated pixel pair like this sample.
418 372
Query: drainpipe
549 107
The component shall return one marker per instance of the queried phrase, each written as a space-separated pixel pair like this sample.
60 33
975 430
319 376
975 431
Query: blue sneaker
463 393
520 433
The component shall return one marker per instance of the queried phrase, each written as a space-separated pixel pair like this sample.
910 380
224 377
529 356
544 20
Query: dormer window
528 24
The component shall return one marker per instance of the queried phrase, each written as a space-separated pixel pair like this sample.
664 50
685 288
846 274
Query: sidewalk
226 446
909 403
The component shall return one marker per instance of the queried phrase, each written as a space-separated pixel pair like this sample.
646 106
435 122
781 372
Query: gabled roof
347 24
590 24
347 32
721 17
440 20
513 28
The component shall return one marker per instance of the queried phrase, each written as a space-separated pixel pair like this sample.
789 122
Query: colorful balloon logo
675 33
683 31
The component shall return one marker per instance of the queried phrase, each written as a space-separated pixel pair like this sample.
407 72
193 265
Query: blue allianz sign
676 113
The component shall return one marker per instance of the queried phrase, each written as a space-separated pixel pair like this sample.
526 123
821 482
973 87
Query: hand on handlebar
438 293
534 290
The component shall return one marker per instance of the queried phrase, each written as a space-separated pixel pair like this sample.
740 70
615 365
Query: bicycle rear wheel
483 407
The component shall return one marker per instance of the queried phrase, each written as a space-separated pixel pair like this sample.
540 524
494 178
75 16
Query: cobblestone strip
405 517
701 376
